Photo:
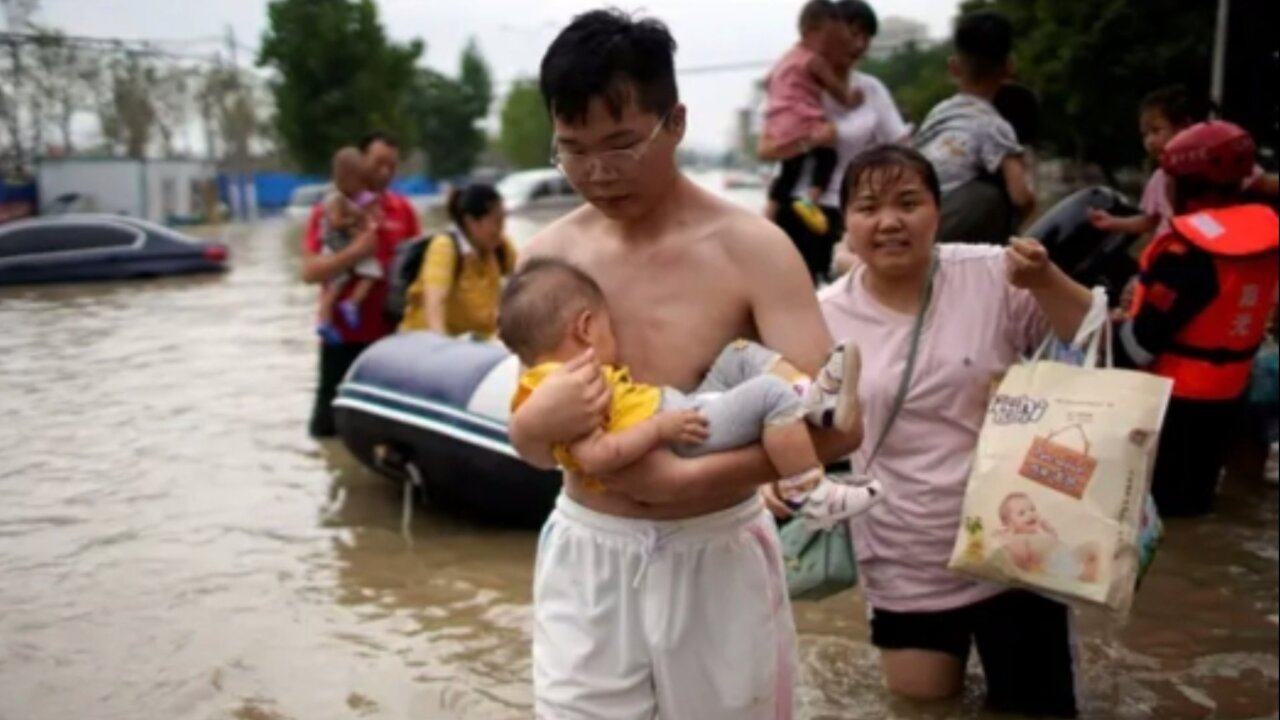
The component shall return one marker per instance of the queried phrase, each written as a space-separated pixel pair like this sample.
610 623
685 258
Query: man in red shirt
399 223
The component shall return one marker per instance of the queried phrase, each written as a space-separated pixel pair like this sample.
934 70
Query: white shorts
681 619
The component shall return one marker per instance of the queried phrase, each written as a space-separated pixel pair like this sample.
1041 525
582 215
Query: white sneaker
832 398
830 503
1271 471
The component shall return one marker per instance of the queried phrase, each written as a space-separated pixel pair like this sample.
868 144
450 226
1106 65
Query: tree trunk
64 127
166 139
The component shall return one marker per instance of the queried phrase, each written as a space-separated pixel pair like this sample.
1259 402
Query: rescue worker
1199 315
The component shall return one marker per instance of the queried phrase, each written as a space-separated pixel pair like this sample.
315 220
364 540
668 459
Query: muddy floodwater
173 546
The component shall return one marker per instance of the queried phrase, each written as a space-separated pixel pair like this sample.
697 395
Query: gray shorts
740 397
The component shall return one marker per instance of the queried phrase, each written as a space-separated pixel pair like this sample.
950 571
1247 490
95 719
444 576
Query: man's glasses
622 161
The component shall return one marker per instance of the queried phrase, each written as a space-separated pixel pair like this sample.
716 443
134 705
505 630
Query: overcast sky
511 33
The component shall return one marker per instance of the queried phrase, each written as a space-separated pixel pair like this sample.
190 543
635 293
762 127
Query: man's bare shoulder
557 238
728 221
749 236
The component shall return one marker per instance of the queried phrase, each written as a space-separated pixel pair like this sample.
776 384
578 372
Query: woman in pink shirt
988 305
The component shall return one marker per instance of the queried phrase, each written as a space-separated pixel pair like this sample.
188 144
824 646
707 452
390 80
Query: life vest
1211 357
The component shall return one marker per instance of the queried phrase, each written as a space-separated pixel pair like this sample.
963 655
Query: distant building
157 190
895 34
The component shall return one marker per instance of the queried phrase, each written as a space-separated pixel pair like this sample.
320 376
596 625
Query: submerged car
76 248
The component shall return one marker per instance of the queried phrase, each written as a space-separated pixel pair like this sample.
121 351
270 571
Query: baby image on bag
1055 500
1031 544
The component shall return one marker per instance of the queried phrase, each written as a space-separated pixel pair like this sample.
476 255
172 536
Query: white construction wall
109 185
156 190
171 187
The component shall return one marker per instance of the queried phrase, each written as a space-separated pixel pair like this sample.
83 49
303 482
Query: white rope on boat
406 515
406 509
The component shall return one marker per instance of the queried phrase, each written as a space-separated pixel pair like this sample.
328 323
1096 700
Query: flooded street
173 546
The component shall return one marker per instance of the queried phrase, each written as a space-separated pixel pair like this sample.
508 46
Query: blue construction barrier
273 190
17 200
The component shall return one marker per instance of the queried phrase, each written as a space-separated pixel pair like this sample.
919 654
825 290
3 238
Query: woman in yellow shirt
457 289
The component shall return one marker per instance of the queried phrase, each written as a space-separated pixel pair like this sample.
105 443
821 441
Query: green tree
1091 61
525 137
917 77
64 76
126 112
233 111
446 112
338 76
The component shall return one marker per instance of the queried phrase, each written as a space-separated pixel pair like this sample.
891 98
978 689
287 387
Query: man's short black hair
816 13
984 41
610 55
377 136
859 14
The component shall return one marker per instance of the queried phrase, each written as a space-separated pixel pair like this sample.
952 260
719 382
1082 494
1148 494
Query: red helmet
1220 152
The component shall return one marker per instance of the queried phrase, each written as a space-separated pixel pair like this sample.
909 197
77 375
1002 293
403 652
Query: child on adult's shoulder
970 143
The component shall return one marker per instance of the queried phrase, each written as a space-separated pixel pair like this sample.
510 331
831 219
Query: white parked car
304 198
538 190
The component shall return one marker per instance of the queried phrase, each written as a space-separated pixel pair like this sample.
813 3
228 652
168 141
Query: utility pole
230 35
208 111
238 149
19 151
1219 54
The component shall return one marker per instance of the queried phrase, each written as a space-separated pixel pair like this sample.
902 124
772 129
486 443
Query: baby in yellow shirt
552 312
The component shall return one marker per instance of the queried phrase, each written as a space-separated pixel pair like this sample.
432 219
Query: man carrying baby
663 593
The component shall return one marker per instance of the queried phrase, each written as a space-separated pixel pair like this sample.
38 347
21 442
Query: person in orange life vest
1199 315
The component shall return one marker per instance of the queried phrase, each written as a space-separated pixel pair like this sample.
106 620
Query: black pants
824 166
1024 641
815 249
1193 451
335 360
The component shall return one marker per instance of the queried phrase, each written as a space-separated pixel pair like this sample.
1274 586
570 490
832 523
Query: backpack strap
457 254
500 253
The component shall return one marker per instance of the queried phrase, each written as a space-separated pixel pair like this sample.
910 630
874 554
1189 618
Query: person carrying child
795 114
1200 311
980 163
349 210
552 312
1163 114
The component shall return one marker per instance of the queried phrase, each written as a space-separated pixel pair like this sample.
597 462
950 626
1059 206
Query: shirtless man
663 595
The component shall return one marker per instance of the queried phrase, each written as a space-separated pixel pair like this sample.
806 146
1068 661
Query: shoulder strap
501 254
912 355
1240 231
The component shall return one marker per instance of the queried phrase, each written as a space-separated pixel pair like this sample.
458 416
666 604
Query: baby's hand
1102 219
682 426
